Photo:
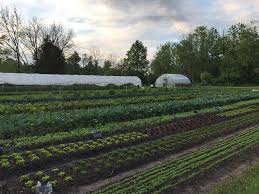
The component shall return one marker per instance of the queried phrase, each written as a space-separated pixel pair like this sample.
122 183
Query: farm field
126 141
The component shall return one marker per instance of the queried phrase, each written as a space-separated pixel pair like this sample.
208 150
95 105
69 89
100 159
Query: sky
113 25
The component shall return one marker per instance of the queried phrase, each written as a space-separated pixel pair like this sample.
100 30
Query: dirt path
207 183
234 171
102 183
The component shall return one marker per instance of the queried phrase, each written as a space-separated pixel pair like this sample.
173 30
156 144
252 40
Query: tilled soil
185 189
160 130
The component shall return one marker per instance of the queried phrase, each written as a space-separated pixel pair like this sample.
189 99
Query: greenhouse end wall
172 80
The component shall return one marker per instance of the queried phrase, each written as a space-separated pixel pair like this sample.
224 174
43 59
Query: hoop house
172 80
54 79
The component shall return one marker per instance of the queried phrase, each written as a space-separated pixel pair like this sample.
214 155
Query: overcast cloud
113 25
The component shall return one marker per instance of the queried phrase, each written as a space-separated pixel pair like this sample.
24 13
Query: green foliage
39 174
111 92
55 184
20 162
206 78
29 184
71 149
135 147
241 53
246 183
33 189
113 162
136 59
73 66
68 179
34 158
80 133
240 111
136 62
230 76
62 174
165 177
43 123
5 165
8 65
45 179
55 170
107 67
231 57
198 52
24 178
51 60
164 60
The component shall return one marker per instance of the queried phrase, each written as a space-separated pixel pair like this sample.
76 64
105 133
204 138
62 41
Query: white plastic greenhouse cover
55 79
172 80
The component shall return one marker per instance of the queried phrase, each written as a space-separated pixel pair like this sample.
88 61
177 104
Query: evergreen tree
107 67
89 65
136 62
136 58
73 66
51 58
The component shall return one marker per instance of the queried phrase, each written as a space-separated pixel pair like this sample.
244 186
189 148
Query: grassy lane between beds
247 183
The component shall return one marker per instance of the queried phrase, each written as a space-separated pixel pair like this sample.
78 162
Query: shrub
205 78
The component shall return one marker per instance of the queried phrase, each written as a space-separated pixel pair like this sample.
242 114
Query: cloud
78 19
113 25
151 10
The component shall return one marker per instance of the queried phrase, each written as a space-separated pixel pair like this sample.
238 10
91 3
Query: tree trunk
18 63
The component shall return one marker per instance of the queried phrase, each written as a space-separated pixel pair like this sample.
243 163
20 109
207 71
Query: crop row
74 95
84 104
88 95
244 110
48 122
33 142
111 163
36 158
166 177
184 124
29 159
17 108
38 141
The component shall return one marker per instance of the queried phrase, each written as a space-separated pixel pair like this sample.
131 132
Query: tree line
210 57
34 47
204 55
